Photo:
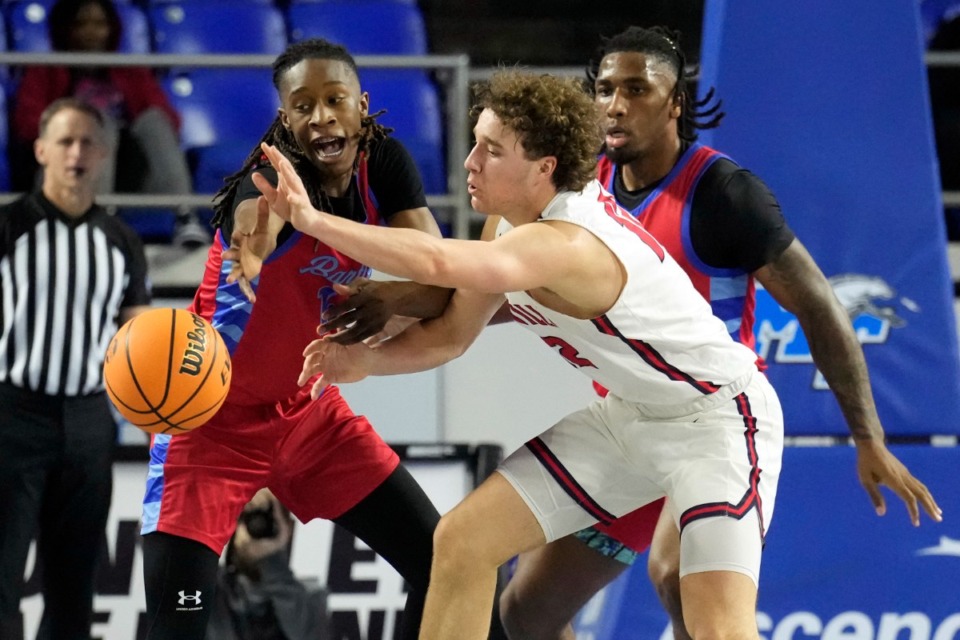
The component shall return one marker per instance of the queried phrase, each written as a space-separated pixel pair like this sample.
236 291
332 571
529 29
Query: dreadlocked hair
664 44
278 136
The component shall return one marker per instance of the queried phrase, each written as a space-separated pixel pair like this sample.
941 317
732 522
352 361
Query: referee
69 273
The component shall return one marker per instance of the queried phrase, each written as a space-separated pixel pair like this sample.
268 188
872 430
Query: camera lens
260 522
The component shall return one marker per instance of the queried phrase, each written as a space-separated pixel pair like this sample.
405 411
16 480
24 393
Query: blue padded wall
827 102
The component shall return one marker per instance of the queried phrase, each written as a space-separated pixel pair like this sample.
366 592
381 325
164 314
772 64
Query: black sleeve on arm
245 191
736 221
394 178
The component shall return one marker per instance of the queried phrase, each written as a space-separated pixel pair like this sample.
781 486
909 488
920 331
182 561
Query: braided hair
664 44
278 135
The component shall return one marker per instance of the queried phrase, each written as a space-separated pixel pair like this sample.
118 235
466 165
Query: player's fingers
928 502
313 347
311 367
876 497
246 288
318 388
344 289
338 316
910 500
352 335
263 214
263 185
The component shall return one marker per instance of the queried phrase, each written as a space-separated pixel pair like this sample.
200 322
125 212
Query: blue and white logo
946 547
872 304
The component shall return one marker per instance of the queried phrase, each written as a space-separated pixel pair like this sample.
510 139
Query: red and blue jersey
266 339
666 211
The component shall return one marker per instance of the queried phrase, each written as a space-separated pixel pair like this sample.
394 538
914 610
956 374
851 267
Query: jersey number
625 219
568 352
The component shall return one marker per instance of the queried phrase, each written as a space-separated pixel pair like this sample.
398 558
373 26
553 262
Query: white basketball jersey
660 343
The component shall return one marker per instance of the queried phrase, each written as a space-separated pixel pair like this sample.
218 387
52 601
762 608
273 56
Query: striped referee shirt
63 282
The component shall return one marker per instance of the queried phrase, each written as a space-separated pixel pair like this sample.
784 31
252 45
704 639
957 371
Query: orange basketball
167 371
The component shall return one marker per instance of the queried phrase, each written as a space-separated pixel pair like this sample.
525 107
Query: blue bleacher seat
27 20
27 25
413 109
218 105
135 36
368 27
149 3
217 26
224 114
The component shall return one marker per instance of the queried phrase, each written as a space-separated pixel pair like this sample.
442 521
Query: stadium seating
370 27
224 114
27 20
414 112
135 37
27 25
217 26
385 27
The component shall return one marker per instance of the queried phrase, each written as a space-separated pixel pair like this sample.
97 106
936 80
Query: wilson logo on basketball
193 356
167 371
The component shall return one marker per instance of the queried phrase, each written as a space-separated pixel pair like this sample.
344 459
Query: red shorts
318 458
635 529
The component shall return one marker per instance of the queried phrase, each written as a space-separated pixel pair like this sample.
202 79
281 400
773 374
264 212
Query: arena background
828 103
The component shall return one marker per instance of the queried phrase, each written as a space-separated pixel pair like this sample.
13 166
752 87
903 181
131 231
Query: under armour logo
194 599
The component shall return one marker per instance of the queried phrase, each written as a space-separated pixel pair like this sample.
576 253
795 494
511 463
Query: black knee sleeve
180 576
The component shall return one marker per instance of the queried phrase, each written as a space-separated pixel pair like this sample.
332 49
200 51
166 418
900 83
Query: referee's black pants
55 484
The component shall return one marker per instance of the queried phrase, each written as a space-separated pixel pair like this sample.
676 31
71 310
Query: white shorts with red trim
719 466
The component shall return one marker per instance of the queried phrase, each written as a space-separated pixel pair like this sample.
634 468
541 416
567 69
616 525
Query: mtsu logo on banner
894 330
874 307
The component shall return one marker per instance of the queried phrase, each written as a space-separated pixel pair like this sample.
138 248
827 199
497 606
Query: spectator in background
69 273
257 594
141 124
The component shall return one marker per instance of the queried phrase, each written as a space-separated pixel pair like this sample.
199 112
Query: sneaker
190 233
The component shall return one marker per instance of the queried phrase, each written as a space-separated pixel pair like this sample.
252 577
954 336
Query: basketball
167 371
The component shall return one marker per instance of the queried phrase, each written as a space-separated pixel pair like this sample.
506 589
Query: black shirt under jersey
735 220
391 174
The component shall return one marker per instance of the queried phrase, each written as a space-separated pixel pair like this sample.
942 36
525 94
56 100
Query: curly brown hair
552 116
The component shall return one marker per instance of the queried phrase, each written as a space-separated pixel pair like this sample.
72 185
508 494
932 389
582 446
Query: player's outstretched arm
421 347
796 282
369 305
520 260
253 239
364 308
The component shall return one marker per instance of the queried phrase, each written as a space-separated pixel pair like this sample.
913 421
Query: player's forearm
405 253
416 349
435 342
839 357
417 300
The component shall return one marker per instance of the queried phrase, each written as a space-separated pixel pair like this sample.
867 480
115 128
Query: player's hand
289 198
374 310
248 249
877 466
358 315
334 363
367 311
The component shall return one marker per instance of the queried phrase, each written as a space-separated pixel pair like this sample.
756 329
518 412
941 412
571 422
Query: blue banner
832 569
827 102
